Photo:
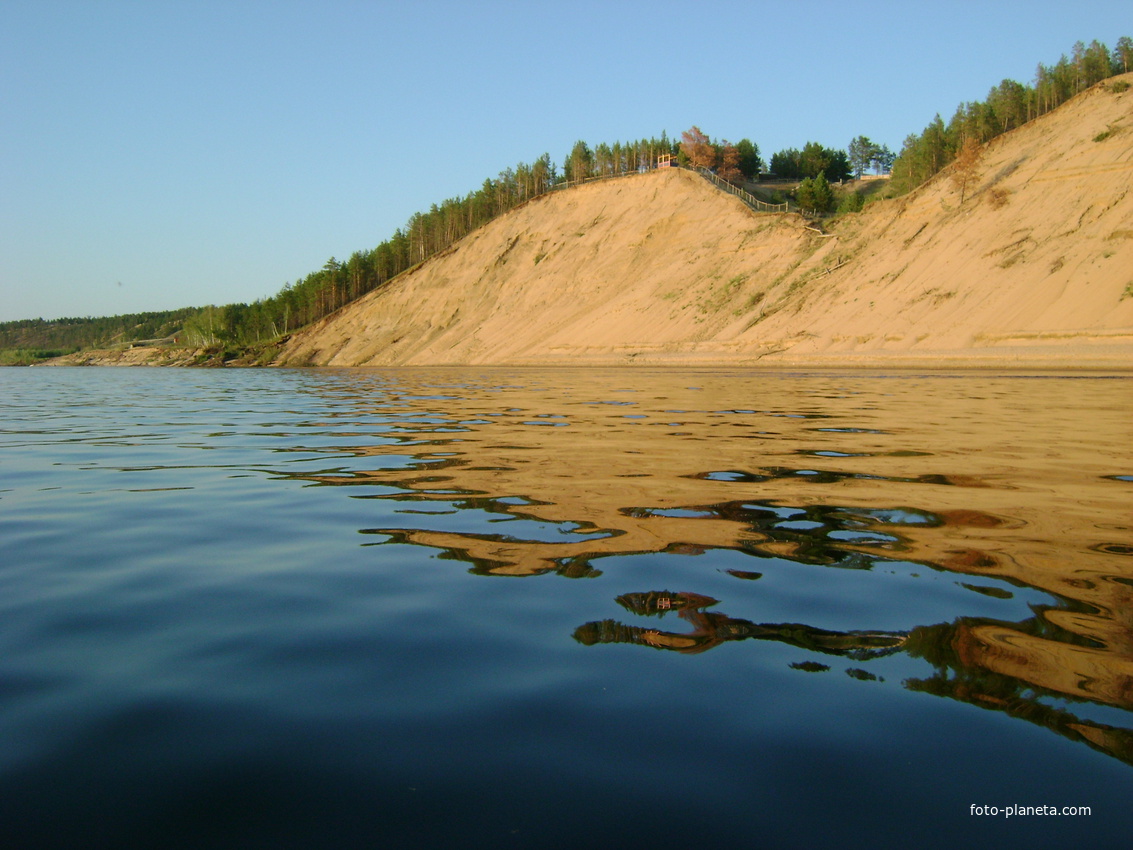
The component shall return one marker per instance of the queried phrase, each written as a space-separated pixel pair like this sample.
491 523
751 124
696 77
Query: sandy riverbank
1033 269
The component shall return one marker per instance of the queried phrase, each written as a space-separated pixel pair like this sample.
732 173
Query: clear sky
162 154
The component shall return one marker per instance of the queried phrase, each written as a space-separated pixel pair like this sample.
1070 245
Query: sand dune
1034 268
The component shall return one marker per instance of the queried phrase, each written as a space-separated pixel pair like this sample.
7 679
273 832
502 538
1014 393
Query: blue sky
156 154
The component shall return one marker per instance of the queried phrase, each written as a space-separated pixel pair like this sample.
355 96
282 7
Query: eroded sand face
1032 269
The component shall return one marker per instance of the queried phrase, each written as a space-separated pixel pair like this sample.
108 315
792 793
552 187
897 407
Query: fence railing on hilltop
744 195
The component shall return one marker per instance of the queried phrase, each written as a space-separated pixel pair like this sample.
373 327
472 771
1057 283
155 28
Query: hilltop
1035 267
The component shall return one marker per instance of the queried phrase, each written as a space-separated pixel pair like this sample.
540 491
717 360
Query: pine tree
750 164
823 195
814 195
882 160
813 160
862 152
1123 55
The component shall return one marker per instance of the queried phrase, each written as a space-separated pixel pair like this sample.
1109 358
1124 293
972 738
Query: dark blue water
518 608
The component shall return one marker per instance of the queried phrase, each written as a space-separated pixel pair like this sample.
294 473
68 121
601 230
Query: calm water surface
519 608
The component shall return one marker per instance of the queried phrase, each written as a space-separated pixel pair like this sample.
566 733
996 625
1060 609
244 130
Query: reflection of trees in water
956 653
578 566
803 533
958 657
712 629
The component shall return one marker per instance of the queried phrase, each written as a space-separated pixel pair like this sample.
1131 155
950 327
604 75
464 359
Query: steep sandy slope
1036 266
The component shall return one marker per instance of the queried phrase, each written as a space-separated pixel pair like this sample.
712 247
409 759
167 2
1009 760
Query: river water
536 608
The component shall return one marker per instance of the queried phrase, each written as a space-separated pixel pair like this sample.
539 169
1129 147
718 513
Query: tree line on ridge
1007 106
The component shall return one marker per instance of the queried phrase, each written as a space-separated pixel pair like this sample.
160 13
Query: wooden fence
744 195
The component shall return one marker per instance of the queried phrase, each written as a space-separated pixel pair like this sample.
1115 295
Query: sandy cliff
1034 268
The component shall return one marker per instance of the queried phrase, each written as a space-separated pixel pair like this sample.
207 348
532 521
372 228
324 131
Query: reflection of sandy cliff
1094 673
1019 480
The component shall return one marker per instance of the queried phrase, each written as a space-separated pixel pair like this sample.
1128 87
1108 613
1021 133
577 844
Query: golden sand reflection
1021 480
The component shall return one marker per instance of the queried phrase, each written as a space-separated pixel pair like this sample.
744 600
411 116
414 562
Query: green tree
862 153
823 195
882 160
603 159
1123 55
934 149
1008 102
839 167
750 164
852 202
542 174
813 160
1079 64
578 165
1096 63
814 195
785 163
